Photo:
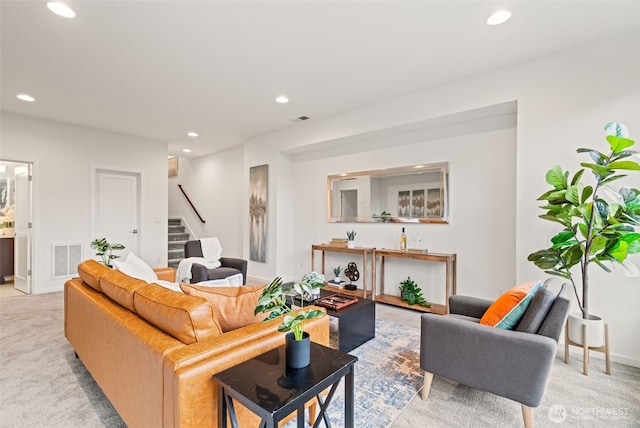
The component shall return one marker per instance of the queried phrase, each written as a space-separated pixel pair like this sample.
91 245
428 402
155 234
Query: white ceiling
158 69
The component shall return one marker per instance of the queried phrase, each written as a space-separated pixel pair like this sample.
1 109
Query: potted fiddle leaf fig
273 301
598 225
105 250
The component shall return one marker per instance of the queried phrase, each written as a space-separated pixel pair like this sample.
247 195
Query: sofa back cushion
232 306
91 271
187 318
120 287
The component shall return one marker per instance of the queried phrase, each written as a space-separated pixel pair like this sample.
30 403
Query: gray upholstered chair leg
426 386
527 415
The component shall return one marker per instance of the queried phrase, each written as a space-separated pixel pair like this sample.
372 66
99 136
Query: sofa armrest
235 263
508 363
166 274
469 306
190 391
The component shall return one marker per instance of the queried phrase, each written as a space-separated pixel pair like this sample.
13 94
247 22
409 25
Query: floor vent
66 258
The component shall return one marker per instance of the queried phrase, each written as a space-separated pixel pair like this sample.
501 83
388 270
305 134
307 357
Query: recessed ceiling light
61 9
499 17
282 99
186 150
26 97
192 134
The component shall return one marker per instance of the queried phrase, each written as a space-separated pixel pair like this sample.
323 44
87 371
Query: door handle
134 231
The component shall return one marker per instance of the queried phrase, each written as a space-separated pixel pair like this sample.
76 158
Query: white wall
563 102
215 186
64 157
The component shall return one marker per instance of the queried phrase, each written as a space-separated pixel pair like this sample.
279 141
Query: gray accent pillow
537 310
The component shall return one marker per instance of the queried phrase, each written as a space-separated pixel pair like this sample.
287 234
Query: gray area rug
42 384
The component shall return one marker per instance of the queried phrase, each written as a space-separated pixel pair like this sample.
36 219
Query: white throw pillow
136 268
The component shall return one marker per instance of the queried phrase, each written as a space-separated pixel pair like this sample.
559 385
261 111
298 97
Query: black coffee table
271 390
356 322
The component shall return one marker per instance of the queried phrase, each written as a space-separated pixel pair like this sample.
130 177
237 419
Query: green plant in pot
412 294
105 250
351 238
598 224
273 301
336 273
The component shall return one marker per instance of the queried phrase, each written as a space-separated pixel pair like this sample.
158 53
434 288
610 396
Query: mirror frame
441 167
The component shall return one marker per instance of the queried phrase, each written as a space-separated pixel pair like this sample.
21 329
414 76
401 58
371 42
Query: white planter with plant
599 226
336 274
351 239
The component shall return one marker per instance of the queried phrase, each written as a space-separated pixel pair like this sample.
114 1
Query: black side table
271 390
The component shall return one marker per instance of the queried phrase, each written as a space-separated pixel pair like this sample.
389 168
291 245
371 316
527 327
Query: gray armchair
514 364
228 265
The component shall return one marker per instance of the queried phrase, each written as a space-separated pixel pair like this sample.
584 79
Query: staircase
177 238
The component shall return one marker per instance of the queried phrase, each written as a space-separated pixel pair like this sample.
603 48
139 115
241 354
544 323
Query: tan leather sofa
153 351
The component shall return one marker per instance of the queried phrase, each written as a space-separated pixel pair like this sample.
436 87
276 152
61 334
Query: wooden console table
450 278
362 251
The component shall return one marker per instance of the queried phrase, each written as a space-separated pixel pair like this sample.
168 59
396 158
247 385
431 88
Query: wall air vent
300 119
66 258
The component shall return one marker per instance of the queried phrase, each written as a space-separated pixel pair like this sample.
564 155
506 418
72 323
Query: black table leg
222 408
349 399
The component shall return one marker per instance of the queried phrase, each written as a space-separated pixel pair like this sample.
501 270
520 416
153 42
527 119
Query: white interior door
117 212
23 229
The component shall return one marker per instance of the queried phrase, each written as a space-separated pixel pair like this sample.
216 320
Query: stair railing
190 203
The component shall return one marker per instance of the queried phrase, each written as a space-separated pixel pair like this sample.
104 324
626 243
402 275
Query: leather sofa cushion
187 318
90 272
232 306
120 287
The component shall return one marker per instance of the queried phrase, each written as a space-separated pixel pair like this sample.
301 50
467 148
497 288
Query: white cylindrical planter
351 244
595 330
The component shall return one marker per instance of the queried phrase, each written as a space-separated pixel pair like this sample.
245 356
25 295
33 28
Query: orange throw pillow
232 306
507 311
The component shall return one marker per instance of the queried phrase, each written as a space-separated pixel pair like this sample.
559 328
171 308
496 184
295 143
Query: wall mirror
409 194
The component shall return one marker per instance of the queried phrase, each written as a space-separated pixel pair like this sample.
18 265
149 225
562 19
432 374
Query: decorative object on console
352 273
273 301
338 242
412 294
105 250
595 230
351 238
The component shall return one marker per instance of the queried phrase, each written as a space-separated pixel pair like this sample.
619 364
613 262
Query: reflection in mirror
410 194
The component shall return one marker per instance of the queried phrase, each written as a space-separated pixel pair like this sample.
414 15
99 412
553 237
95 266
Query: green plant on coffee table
105 250
336 271
594 230
351 235
273 301
412 294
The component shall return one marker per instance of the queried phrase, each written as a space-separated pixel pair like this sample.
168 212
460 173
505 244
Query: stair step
177 245
176 254
178 236
174 263
175 221
176 229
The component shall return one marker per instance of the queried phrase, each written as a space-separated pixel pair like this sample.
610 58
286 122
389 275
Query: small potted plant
273 301
105 250
412 294
351 238
336 274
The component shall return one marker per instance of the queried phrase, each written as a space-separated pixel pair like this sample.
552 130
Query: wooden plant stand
586 348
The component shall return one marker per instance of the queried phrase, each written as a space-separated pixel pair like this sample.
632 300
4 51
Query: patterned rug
387 376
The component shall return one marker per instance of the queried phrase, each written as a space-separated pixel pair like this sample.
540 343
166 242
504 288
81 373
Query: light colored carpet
42 384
